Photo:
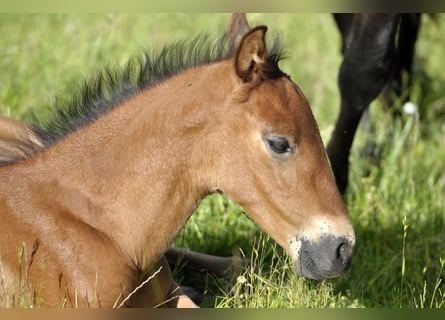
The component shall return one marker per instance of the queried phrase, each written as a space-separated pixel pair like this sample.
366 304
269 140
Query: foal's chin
323 258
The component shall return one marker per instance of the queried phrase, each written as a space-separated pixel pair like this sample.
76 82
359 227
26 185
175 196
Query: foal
93 211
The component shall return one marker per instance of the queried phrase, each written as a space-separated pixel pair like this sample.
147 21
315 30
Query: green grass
396 202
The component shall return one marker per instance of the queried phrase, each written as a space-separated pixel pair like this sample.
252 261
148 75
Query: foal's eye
279 144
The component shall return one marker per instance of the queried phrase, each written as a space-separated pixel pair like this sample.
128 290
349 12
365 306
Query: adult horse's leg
369 57
344 25
408 33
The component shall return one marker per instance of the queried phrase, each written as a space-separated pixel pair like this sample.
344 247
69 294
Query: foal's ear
238 28
251 54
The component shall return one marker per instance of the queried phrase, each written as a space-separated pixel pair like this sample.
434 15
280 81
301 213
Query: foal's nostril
344 253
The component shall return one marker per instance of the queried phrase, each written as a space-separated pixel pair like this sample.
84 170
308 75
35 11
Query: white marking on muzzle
295 246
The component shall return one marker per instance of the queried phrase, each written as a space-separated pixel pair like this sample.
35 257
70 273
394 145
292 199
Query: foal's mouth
309 270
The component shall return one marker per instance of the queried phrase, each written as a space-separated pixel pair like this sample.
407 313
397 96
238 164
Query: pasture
396 202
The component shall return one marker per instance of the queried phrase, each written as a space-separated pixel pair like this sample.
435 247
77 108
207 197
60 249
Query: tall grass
395 200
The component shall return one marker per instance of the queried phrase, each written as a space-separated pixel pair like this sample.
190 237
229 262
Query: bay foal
86 219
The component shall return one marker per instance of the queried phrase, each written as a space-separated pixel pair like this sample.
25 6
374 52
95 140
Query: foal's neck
139 164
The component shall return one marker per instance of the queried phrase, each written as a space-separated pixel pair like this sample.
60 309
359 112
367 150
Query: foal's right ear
251 54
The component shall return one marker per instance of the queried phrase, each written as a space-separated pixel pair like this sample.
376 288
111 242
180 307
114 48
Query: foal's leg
221 267
369 56
177 298
161 290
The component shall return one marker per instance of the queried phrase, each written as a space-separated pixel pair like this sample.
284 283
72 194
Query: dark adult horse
377 49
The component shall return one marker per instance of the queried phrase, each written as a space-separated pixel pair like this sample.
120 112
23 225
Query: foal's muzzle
328 257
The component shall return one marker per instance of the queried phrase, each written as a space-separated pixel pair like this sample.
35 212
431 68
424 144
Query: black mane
112 86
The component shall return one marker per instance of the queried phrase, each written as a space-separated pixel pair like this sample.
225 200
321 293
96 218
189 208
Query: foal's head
277 168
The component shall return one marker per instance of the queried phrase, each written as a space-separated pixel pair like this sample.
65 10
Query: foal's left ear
238 28
251 54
